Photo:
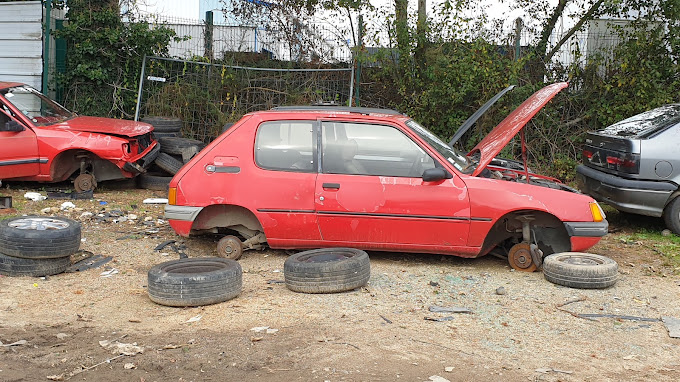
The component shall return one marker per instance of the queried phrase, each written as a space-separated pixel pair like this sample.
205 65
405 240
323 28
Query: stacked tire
37 245
175 152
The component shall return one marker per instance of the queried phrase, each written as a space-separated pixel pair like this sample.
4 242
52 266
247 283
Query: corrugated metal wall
21 42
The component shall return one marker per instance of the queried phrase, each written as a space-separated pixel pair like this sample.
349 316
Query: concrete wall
21 42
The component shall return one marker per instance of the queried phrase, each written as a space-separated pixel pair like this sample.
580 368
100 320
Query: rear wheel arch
546 229
229 216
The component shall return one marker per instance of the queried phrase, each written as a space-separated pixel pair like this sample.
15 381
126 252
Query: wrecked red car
42 141
309 177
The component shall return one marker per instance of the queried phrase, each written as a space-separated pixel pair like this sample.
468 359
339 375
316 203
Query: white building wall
21 42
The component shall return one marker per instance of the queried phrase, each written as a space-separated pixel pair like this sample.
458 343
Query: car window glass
367 149
285 146
40 109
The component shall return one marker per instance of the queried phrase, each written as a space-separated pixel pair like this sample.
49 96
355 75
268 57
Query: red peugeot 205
42 141
309 177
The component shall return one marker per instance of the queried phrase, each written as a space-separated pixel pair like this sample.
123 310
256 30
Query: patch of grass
668 246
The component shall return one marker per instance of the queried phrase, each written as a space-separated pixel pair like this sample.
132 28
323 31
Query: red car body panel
501 135
316 209
31 154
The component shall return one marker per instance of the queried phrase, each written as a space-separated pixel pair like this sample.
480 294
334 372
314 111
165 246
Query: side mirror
13 126
435 174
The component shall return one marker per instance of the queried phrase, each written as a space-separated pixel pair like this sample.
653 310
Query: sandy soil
377 333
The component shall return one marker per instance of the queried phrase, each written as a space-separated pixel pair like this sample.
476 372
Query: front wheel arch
546 229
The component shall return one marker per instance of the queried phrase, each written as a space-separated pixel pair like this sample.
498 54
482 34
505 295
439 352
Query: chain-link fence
208 96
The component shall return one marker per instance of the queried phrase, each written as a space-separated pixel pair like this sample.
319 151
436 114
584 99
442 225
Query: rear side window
286 146
645 124
366 149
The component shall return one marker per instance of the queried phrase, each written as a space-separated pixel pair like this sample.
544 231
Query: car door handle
331 186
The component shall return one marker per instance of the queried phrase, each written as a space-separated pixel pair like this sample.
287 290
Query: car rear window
645 124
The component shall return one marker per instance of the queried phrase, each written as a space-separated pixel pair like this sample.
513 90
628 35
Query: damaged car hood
502 134
105 126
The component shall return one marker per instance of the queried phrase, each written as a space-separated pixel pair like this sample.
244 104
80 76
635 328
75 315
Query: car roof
341 109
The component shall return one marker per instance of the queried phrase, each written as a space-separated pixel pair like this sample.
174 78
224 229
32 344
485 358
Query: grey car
634 165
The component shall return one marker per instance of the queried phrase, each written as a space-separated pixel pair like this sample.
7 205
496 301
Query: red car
42 141
309 177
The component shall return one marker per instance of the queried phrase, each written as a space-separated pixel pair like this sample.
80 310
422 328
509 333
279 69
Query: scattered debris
436 378
194 319
61 194
178 248
17 343
434 283
438 319
121 348
5 202
86 215
385 318
453 309
276 281
90 262
672 325
546 370
617 316
666 232
449 369
61 336
59 377
155 201
109 273
129 366
501 291
34 196
264 329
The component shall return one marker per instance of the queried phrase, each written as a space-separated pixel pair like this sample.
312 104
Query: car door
19 153
370 191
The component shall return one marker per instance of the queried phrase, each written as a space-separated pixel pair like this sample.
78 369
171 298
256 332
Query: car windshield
455 157
38 108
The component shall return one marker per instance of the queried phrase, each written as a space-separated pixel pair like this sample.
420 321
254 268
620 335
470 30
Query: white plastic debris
122 348
34 196
194 319
259 329
109 273
155 201
67 206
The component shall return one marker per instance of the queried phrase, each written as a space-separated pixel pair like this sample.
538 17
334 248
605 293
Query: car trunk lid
618 155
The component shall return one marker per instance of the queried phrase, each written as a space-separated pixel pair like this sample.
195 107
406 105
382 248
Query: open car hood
111 126
501 135
477 114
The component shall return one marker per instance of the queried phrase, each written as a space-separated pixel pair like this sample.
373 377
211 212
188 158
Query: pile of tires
37 245
176 151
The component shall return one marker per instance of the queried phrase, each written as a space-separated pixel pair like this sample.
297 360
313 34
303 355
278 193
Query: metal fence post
46 52
357 87
139 92
208 36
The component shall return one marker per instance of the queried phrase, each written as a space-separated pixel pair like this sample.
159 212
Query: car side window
286 146
368 149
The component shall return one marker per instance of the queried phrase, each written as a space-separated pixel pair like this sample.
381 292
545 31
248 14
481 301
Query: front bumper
587 229
142 162
635 196
181 218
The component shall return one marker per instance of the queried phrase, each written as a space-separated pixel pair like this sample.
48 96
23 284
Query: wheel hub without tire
85 182
519 258
38 224
230 247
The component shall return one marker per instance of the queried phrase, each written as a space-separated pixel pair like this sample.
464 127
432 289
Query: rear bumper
634 196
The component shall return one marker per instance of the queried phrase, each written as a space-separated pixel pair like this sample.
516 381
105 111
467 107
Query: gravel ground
382 332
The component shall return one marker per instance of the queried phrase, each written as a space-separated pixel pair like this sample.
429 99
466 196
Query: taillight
588 154
628 163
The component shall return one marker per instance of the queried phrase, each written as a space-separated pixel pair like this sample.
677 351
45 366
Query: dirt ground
378 333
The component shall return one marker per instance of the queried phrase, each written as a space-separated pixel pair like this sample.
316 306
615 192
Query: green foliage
105 56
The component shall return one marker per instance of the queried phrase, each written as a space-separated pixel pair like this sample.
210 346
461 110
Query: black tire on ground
164 124
39 237
671 215
168 163
194 282
327 270
178 146
154 181
580 270
16 266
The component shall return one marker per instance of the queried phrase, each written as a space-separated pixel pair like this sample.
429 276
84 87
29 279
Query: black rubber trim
22 161
587 229
619 182
392 215
285 211
481 219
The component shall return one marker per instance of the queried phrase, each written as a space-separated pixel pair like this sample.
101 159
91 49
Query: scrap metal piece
672 325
